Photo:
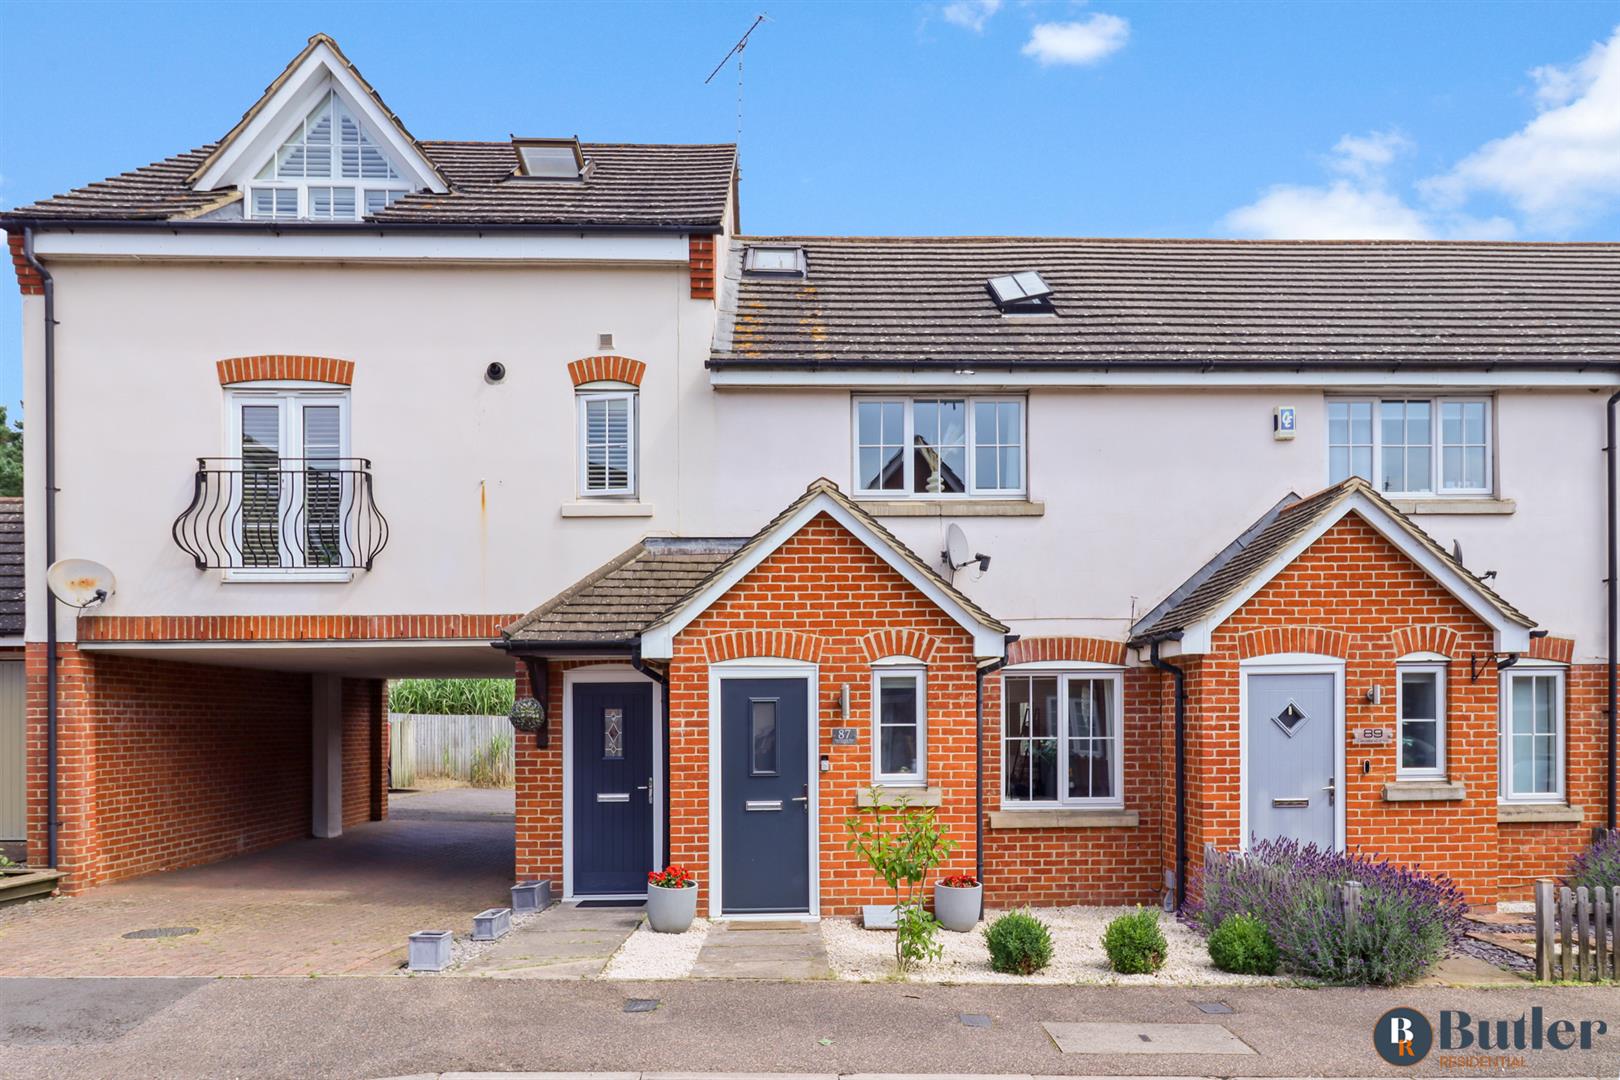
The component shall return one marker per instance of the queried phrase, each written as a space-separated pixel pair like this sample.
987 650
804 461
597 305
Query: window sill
1424 791
606 508
891 794
286 577
1063 819
952 507
1480 504
1557 813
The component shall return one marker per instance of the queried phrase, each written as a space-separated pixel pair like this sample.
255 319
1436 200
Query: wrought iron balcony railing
276 513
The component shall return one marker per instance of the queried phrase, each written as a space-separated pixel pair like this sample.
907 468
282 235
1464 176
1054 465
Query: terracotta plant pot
670 911
958 909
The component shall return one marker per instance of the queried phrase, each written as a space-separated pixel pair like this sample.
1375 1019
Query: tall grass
451 697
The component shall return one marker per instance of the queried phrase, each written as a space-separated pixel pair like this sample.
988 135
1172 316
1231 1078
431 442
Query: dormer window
550 159
774 260
328 168
1023 293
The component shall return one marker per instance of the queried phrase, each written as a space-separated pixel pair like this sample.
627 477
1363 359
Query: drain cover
974 1019
161 931
633 1005
1214 1008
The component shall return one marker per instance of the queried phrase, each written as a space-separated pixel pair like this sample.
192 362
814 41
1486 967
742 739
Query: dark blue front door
764 795
612 754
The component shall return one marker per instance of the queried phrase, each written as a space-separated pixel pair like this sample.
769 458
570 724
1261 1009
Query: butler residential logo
1405 1037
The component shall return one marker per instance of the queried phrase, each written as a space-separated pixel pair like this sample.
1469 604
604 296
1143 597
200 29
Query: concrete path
308 907
763 950
313 1028
565 942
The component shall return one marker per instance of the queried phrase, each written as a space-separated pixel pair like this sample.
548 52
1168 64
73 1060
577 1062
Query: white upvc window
899 722
1420 707
1408 446
1062 740
1532 753
939 446
607 442
294 480
327 168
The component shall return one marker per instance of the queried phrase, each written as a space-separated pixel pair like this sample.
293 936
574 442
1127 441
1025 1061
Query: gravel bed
463 948
1077 955
649 955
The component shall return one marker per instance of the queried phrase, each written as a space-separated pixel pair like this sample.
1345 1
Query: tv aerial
737 51
80 583
958 554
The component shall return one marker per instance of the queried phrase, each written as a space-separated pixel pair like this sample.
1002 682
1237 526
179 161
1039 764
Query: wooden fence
472 749
1577 933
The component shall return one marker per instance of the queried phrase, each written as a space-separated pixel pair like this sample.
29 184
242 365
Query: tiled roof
1237 566
1169 303
659 186
615 603
11 567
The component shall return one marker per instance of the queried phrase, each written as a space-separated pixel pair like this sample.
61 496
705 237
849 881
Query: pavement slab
565 942
1147 1038
763 951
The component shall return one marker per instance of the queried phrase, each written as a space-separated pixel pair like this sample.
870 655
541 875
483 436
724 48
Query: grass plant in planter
958 900
671 900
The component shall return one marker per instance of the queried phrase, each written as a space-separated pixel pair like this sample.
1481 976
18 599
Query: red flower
960 881
671 877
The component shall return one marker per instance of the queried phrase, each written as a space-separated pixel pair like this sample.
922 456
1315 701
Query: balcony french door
292 497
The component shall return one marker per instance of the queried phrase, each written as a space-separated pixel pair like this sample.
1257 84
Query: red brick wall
29 282
164 765
365 751
538 779
700 258
821 595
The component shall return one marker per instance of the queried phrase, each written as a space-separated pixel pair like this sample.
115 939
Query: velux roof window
774 260
550 159
1023 293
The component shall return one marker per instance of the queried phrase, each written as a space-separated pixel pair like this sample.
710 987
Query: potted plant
671 900
958 900
527 715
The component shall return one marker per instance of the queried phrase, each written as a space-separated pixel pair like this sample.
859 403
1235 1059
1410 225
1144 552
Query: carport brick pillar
326 756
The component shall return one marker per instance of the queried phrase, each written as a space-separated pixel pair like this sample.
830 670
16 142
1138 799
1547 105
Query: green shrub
451 697
903 856
1020 944
1598 867
1134 943
1242 945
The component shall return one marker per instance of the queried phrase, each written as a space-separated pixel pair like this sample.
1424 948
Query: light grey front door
1291 769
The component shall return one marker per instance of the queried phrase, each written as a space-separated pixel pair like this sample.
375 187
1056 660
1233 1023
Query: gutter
1157 363
1180 676
1612 450
80 224
51 705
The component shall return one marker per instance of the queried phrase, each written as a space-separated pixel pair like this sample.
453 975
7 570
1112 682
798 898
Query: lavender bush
1598 867
1408 920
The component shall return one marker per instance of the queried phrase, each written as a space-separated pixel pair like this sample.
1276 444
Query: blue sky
954 117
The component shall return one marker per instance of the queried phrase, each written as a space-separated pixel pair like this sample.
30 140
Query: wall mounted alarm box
1283 422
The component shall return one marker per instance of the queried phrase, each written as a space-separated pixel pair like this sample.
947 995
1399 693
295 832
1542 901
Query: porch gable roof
1210 596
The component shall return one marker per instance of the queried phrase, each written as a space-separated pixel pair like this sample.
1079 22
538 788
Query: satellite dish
957 554
80 583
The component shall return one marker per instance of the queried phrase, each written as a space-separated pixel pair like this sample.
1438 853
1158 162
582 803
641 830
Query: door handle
1332 789
647 787
805 798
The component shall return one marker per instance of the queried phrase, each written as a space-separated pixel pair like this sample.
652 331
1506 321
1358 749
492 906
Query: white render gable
322 134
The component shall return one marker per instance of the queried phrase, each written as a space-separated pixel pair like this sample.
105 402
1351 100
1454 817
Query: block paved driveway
328 907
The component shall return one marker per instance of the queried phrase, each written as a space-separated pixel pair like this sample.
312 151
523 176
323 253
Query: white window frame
1439 671
607 392
907 404
1064 676
1436 445
289 397
904 667
400 185
1526 670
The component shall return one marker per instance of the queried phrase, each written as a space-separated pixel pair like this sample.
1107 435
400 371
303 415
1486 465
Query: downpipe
1179 675
51 779
1614 603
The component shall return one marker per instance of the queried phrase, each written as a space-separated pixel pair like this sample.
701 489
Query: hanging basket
528 715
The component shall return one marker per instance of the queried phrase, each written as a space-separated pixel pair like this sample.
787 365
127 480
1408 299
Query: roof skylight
550 159
1022 293
775 260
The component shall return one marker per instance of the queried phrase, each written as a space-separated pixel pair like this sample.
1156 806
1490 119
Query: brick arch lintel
747 644
606 368
1559 649
284 367
1029 650
914 643
1317 640
1427 639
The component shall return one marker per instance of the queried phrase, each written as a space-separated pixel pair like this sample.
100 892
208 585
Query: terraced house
1108 549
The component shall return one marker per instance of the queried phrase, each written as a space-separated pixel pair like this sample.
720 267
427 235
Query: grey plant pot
671 911
529 897
958 909
430 950
492 924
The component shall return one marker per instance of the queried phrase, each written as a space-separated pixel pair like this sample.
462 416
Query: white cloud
1085 41
1563 167
1365 157
971 14
1358 205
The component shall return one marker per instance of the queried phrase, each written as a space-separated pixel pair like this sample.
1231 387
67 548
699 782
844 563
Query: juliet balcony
272 516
